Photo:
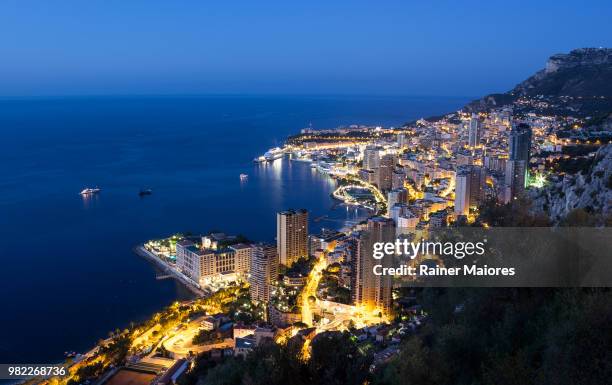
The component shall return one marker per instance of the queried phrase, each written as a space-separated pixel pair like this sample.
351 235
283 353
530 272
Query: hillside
578 83
581 73
584 197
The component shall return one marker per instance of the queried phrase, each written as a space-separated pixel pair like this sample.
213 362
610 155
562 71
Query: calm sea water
68 274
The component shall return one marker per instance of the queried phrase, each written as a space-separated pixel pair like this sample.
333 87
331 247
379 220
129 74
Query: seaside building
204 265
292 235
264 271
194 262
243 254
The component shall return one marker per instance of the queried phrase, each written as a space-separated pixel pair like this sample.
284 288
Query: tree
335 359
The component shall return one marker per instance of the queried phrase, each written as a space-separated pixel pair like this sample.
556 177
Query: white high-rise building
402 140
242 252
371 158
469 188
462 192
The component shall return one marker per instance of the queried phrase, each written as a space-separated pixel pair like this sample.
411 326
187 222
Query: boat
273 154
90 191
144 192
244 177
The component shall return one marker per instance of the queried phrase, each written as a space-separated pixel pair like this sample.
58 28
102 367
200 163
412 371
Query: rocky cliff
581 79
590 191
583 72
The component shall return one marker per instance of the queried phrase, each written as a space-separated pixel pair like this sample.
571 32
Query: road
342 313
180 343
310 289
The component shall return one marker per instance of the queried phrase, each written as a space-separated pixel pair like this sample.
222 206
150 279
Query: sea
68 273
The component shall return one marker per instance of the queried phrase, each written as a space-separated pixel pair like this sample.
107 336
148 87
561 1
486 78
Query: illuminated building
517 166
515 179
369 176
473 131
520 142
399 195
292 235
242 253
371 291
469 188
264 271
398 178
402 140
203 264
385 172
371 158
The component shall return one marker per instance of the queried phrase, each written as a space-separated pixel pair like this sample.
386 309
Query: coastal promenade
171 271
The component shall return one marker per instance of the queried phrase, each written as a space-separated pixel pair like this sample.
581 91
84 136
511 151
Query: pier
168 271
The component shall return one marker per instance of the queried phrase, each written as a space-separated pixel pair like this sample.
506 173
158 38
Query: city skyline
277 193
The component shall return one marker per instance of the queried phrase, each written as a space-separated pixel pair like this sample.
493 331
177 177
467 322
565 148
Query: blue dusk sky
453 48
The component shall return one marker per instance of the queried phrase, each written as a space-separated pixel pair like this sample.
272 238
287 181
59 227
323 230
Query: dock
168 271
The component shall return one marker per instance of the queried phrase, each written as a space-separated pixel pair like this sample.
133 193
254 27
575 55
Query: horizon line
228 95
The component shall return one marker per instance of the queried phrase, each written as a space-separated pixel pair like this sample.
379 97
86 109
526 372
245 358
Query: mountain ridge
580 82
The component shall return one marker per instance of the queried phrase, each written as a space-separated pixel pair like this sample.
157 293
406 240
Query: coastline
195 289
127 284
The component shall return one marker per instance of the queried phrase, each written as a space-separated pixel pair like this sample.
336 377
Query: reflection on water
287 182
89 200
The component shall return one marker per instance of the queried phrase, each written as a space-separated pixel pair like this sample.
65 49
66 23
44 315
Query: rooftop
244 343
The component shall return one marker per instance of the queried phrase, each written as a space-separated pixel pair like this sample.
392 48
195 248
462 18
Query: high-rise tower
517 166
292 235
371 291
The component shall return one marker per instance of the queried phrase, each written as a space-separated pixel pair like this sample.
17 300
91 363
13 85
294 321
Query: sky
450 48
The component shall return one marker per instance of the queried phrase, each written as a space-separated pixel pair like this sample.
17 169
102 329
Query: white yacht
90 191
273 154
